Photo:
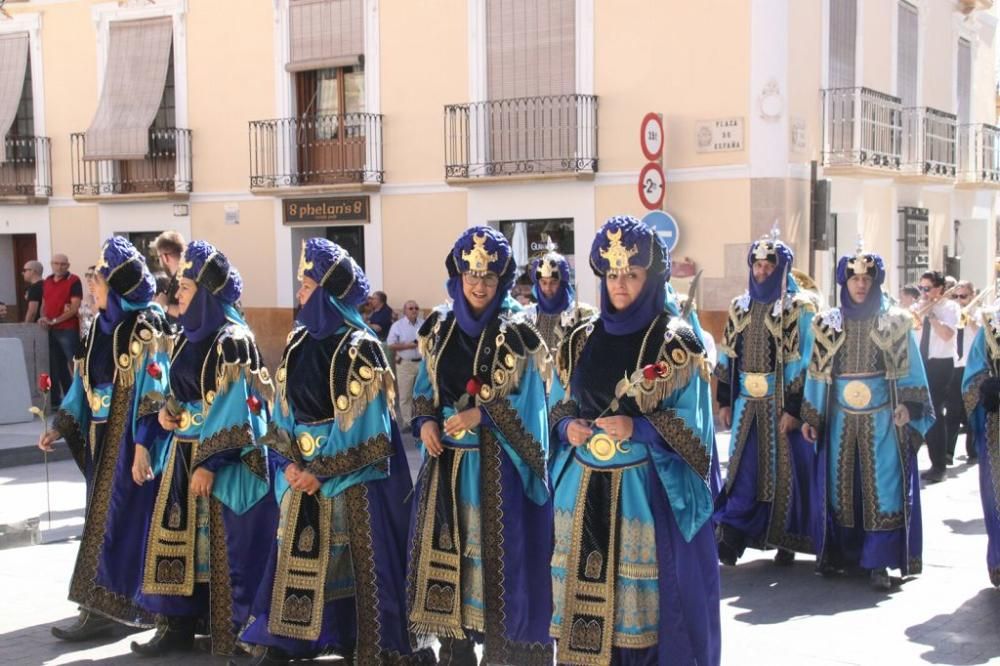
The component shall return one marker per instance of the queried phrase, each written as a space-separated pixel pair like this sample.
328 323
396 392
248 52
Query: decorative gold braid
811 415
170 558
993 455
84 588
685 441
970 397
67 426
561 410
372 450
892 336
915 394
859 441
735 325
221 590
235 437
150 403
254 461
423 407
759 339
548 328
777 531
509 423
845 471
826 343
369 648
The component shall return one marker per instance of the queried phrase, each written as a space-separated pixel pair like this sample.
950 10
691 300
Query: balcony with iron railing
930 138
862 132
526 137
164 173
316 153
978 155
26 169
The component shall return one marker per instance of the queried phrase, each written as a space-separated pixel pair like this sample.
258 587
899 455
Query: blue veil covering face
130 284
861 263
624 241
778 253
552 264
343 287
219 288
478 251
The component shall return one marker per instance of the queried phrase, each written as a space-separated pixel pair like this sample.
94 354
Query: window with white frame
843 43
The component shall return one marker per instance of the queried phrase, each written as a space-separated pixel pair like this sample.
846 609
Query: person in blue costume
123 363
209 531
867 406
634 571
482 526
981 394
336 579
555 308
761 373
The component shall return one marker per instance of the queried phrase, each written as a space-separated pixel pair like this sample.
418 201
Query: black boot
88 625
175 634
784 558
457 652
879 579
731 544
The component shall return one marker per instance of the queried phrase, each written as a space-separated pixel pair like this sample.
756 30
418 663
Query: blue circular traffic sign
665 226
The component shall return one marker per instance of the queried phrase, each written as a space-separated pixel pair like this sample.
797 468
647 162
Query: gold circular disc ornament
366 373
264 375
123 360
602 447
485 392
354 387
342 402
146 334
281 374
500 339
509 361
135 347
857 394
95 403
679 356
210 397
308 444
756 385
499 376
352 352
185 420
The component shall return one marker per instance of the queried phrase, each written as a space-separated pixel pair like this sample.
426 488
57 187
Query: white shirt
403 331
947 312
971 328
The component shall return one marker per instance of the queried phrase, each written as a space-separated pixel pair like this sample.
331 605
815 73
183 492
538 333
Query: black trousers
939 373
955 415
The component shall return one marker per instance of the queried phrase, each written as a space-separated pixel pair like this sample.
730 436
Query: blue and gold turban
125 270
211 270
625 241
552 265
482 250
861 263
332 268
778 253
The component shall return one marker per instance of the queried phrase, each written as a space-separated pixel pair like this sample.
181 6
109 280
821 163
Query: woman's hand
141 470
901 416
168 421
619 427
306 482
430 435
578 431
464 420
788 423
201 482
48 439
809 432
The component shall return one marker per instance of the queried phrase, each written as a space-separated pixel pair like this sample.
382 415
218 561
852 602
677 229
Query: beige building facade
392 125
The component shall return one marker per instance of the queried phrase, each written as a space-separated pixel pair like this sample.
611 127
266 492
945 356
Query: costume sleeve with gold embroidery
72 420
798 341
977 371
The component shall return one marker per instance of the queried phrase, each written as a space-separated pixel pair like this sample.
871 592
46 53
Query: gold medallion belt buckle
755 384
857 394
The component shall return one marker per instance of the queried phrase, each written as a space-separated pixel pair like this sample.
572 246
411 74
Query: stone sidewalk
770 615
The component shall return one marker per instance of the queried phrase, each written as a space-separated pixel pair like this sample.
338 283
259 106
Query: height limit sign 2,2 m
651 181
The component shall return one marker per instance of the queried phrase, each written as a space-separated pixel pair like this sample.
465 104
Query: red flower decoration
662 369
650 372
253 402
44 382
473 385
154 370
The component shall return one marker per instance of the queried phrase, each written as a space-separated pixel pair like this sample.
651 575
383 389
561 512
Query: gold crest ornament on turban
617 254
478 258
103 263
548 269
183 266
860 263
763 250
303 264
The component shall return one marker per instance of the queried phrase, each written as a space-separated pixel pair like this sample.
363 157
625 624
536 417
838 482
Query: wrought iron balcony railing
522 136
862 128
929 142
166 168
316 150
979 153
26 169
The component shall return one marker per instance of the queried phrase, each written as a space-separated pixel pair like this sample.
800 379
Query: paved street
770 615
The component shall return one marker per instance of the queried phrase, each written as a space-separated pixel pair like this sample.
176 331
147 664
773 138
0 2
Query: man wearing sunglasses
955 416
939 322
403 342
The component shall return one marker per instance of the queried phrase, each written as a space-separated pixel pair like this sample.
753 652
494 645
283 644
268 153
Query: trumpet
923 310
969 309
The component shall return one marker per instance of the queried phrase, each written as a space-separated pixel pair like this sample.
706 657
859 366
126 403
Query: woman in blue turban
336 579
483 519
120 371
209 527
634 574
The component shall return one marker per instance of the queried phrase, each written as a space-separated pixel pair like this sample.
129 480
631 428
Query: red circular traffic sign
652 186
651 136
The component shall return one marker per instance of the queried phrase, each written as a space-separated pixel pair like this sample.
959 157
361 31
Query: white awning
325 33
138 59
13 64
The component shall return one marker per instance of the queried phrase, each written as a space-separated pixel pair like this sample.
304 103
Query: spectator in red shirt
62 293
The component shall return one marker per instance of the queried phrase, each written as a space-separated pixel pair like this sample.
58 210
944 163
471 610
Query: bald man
62 294
32 273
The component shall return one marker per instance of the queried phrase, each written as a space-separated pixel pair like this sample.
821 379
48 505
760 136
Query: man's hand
306 482
900 416
619 427
430 435
44 323
167 421
809 432
465 420
726 416
788 423
48 439
578 431
141 470
201 482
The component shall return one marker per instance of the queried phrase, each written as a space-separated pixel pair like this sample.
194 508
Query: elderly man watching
403 342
